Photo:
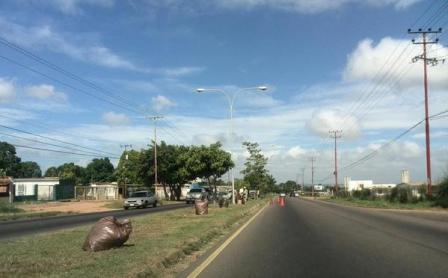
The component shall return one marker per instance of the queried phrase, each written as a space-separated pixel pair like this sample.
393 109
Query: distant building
45 189
405 176
6 186
351 185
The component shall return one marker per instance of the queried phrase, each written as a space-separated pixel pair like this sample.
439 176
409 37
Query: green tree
209 162
69 173
52 172
29 169
129 168
255 172
99 170
9 161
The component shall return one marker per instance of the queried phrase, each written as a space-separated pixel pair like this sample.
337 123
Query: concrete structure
351 185
405 176
36 189
98 191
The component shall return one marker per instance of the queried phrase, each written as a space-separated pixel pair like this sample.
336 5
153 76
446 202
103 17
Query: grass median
158 244
427 205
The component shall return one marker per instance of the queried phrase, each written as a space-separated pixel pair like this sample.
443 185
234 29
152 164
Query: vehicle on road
196 194
282 194
140 199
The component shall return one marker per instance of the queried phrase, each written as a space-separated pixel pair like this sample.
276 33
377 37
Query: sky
82 76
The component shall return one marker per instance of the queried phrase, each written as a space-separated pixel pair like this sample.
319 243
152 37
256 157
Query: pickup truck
140 199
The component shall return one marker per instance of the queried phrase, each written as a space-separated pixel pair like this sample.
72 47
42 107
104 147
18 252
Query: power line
51 150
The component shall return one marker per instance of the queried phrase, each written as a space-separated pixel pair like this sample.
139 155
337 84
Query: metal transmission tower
432 62
126 146
155 119
312 159
336 134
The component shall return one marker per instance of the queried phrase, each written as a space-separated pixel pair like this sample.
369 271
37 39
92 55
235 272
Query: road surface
17 228
317 239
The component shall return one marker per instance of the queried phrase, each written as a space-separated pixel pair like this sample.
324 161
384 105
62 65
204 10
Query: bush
442 195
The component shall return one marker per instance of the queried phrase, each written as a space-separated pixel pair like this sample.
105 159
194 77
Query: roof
5 180
56 179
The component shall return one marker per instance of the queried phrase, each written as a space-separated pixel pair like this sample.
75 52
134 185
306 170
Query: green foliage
255 172
128 169
99 170
9 208
29 169
442 195
52 172
288 186
364 194
9 161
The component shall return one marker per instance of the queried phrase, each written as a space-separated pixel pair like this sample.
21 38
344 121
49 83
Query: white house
351 185
36 188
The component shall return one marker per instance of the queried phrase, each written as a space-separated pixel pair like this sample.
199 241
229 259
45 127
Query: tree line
177 165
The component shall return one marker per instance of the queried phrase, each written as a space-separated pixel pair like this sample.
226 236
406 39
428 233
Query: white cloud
114 119
296 152
366 62
180 71
324 120
160 103
307 6
7 90
74 6
46 92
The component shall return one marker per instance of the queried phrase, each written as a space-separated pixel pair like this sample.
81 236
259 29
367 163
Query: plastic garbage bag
201 207
107 233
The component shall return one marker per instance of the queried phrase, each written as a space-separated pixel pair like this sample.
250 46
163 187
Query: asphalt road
17 228
316 239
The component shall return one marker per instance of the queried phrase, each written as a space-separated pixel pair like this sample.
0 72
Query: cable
51 150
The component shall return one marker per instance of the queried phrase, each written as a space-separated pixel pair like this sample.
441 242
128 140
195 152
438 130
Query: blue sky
320 59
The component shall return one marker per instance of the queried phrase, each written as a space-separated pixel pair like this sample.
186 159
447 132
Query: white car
140 199
283 194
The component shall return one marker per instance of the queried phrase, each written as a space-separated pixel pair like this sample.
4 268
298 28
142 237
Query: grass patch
9 208
115 204
380 203
159 242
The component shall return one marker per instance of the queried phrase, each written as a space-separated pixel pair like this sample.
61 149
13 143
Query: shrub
442 195
404 195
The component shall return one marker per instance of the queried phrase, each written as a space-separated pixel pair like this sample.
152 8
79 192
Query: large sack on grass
201 207
107 233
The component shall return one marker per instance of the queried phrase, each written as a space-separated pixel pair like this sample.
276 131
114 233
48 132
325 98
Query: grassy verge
158 243
381 203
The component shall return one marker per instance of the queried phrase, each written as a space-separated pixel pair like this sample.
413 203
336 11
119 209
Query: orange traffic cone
282 202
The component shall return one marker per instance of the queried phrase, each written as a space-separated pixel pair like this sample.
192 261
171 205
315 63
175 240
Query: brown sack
107 233
201 207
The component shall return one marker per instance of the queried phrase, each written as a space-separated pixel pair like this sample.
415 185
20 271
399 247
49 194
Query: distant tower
405 176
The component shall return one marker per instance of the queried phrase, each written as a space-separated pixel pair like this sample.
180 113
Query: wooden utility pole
312 159
125 189
155 119
336 134
433 62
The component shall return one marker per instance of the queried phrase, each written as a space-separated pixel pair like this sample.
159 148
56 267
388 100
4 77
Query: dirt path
76 206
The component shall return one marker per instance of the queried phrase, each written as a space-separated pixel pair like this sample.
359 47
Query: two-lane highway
10 229
317 239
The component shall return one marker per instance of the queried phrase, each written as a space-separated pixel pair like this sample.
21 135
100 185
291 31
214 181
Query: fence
96 193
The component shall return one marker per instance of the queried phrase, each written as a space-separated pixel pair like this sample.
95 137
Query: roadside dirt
76 206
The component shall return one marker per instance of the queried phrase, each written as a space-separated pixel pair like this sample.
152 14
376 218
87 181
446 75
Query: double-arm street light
231 96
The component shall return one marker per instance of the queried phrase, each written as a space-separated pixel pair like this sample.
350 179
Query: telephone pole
125 191
155 119
336 134
312 159
432 62
303 180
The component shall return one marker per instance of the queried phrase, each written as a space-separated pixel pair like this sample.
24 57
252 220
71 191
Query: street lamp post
231 100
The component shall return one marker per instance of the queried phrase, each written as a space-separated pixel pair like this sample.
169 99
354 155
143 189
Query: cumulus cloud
160 103
366 62
114 119
45 92
7 91
323 121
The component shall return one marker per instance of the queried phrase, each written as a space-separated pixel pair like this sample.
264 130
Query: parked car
283 194
140 199
196 194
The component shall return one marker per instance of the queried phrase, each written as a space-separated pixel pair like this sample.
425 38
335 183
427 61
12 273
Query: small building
41 189
6 186
98 191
